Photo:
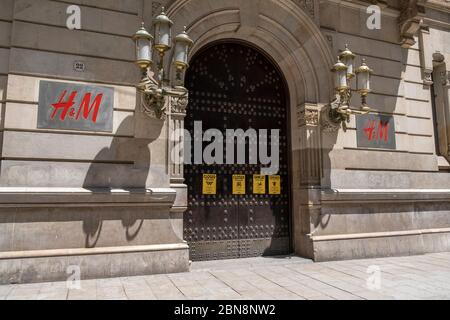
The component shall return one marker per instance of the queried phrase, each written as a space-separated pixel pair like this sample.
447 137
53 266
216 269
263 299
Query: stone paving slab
274 278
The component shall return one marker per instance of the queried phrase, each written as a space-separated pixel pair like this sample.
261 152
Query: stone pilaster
176 139
310 145
175 118
426 59
310 7
306 190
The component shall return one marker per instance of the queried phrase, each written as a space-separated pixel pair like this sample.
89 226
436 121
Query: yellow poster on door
259 184
209 184
238 184
274 184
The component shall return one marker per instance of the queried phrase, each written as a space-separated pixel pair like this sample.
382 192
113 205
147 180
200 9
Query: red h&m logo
86 109
70 106
377 130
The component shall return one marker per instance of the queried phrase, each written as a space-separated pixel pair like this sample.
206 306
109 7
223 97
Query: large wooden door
234 86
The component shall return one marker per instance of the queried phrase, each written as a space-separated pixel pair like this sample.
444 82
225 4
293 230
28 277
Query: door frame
289 155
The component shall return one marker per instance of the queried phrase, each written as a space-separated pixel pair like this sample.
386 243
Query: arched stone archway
234 86
286 33
279 27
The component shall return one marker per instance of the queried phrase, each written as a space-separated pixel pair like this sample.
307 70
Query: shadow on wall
386 91
108 171
340 156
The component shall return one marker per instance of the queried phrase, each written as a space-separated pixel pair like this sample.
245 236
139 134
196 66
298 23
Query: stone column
441 104
435 74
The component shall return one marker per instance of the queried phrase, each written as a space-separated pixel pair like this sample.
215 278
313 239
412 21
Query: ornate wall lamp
156 90
344 73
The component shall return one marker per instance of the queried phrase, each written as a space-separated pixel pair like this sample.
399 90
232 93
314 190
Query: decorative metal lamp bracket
157 94
155 99
340 110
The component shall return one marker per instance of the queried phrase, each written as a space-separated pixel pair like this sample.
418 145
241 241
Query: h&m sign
375 131
69 106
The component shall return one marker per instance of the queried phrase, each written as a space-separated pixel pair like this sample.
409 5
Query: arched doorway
232 86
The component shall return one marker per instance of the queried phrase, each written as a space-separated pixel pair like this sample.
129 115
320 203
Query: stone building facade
114 204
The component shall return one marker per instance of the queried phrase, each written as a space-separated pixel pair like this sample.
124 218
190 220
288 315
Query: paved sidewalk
416 277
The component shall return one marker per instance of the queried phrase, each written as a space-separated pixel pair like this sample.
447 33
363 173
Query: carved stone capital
154 105
308 115
445 79
308 6
438 58
428 77
178 104
443 76
156 7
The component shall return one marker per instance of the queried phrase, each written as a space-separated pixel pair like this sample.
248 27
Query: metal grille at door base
233 86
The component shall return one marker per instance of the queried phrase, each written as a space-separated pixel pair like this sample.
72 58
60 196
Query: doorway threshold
247 263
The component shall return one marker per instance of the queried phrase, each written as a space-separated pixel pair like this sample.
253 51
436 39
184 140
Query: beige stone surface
122 264
7 10
105 16
420 109
126 6
381 160
5 33
4 61
79 42
51 64
26 89
412 278
3 85
417 91
24 117
78 227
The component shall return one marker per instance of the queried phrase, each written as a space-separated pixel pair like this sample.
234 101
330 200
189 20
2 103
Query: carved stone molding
179 104
312 117
438 57
428 77
380 3
308 6
444 75
156 8
308 115
444 78
316 116
410 21
154 106
326 123
441 86
310 157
